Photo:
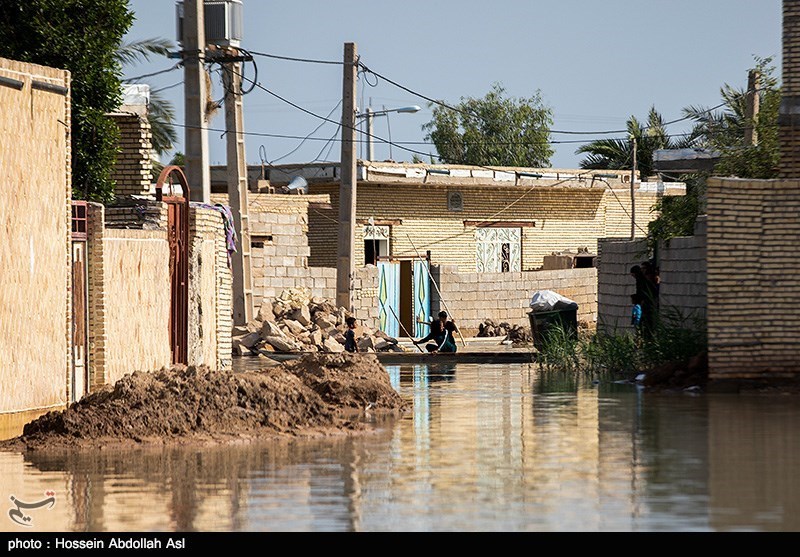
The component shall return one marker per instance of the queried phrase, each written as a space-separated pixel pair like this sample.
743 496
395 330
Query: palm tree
722 128
617 154
161 112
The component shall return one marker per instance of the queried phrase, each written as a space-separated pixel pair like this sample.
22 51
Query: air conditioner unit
223 22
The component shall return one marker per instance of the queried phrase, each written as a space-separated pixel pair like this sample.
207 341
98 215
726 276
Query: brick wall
129 212
682 262
133 168
753 291
615 284
471 298
789 119
564 219
210 291
132 313
35 258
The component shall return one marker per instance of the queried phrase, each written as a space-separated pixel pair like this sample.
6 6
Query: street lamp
370 114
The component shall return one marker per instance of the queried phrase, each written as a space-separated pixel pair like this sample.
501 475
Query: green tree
617 154
493 130
81 36
724 130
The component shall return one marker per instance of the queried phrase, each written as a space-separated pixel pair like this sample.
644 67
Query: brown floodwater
489 448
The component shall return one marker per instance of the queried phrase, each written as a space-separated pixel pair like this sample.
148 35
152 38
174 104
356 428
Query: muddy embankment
318 394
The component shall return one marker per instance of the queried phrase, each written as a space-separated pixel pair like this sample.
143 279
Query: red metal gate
178 234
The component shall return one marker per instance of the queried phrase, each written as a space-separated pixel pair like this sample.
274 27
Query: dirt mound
319 393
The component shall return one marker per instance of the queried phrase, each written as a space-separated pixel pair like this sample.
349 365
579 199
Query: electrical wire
167 87
138 77
308 136
294 59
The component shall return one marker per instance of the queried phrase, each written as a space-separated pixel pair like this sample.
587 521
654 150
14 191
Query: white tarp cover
547 300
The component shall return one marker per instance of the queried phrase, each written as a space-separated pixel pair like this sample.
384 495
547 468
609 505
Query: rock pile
516 334
296 322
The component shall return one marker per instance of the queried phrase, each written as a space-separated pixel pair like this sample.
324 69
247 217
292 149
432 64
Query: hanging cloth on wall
227 221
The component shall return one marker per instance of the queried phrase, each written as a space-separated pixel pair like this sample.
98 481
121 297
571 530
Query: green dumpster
543 321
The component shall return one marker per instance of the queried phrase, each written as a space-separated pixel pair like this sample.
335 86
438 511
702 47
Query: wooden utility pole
197 172
237 189
347 183
633 189
751 108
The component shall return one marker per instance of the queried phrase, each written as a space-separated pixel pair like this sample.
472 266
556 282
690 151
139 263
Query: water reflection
486 448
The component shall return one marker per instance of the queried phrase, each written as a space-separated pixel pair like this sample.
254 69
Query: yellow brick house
487 229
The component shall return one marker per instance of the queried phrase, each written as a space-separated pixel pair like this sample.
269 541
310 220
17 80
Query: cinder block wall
279 246
565 219
753 289
614 262
133 168
35 260
471 298
365 295
682 262
210 291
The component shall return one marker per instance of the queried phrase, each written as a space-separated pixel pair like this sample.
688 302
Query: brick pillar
132 170
789 118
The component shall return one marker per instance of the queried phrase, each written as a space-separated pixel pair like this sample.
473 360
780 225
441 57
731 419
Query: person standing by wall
648 294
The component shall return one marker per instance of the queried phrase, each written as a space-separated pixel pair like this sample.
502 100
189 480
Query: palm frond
140 51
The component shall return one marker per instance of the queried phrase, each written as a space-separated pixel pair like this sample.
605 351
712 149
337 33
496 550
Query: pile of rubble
296 322
516 334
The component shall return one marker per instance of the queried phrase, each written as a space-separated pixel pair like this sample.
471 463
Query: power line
138 77
293 59
167 87
306 138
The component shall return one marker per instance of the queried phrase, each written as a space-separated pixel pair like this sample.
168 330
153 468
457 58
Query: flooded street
486 448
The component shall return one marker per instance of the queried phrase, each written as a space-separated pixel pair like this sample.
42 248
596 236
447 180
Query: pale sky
595 63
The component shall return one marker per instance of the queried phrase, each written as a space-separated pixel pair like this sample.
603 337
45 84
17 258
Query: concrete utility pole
347 185
370 144
751 108
198 172
633 190
237 190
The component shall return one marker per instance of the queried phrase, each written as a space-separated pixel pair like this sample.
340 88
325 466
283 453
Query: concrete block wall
134 166
753 289
682 262
615 284
365 295
279 246
471 298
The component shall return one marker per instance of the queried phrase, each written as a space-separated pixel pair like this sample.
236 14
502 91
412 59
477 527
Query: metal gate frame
79 383
178 235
